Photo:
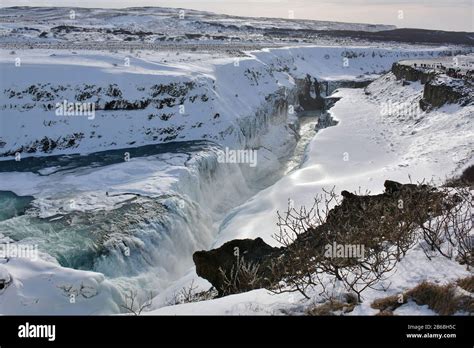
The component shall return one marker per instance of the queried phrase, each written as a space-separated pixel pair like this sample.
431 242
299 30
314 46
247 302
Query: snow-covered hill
148 24
182 29
151 97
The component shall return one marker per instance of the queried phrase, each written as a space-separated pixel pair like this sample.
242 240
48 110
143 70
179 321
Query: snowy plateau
111 204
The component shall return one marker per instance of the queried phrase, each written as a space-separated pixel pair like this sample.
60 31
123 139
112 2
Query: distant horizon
420 14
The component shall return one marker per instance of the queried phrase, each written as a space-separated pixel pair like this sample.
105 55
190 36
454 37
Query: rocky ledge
441 85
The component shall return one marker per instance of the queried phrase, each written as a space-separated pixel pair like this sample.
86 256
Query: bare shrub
459 227
190 294
243 277
306 234
448 227
298 268
386 225
132 304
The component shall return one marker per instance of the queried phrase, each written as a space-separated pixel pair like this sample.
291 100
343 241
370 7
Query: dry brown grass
442 299
467 283
389 303
331 306
326 309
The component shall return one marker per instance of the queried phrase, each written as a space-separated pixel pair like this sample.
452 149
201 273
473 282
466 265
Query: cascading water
307 131
145 241
12 205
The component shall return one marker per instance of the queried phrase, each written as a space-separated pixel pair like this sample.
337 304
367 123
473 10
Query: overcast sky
431 14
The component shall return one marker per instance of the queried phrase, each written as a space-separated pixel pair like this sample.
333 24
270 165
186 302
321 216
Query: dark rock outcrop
408 73
314 94
328 87
309 94
436 94
210 263
392 187
47 145
465 179
468 175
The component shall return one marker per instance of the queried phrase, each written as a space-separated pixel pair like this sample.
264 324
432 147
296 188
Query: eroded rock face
309 94
100 99
436 94
314 95
409 73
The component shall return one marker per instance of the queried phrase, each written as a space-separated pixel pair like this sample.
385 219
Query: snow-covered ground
167 205
149 25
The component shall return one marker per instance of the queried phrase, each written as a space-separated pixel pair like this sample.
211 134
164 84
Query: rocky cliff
439 89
